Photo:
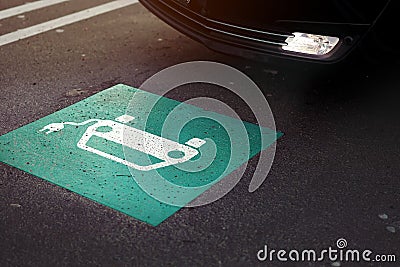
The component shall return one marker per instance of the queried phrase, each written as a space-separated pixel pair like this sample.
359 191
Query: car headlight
311 44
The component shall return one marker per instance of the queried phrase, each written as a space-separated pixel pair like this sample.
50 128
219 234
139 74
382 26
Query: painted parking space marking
13 11
65 20
82 148
139 140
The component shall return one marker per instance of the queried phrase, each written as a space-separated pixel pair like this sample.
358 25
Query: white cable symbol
58 126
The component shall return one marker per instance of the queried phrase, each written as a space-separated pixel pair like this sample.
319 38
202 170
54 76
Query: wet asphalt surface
335 174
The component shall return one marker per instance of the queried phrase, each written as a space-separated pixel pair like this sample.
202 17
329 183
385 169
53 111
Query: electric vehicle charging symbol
170 152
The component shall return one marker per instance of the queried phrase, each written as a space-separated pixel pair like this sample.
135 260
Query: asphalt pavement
335 173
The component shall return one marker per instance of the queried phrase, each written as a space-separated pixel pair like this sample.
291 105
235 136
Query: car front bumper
250 42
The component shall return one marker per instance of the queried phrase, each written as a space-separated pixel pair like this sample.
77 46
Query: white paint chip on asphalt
76 92
28 7
62 21
391 229
383 216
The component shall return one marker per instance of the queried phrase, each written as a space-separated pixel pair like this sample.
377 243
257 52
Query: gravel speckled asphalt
335 175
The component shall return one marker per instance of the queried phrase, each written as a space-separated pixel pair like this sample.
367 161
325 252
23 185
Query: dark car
323 31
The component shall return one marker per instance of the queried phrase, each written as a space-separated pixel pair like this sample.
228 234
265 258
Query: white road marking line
62 21
28 7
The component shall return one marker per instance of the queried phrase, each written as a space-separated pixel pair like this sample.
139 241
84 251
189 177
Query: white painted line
59 22
28 7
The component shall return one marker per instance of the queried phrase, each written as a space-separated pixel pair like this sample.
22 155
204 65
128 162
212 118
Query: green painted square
55 157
